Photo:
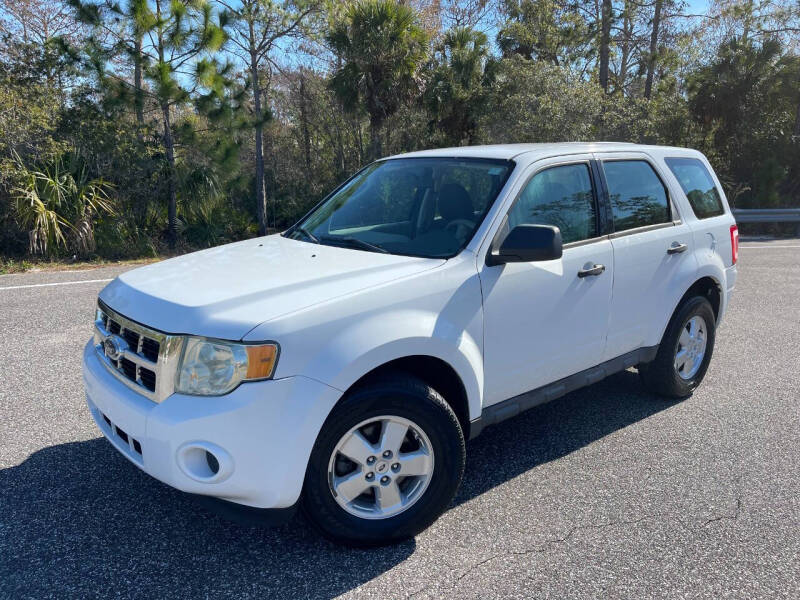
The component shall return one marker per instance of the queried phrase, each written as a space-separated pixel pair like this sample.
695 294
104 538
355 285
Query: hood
224 292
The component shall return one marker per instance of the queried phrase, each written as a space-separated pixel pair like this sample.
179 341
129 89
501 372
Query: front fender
354 351
338 342
463 355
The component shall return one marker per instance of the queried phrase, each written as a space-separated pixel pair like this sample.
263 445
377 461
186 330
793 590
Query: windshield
426 207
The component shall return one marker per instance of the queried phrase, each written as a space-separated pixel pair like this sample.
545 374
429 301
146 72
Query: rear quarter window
697 184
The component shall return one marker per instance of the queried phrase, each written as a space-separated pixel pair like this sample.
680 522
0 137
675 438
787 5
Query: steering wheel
457 224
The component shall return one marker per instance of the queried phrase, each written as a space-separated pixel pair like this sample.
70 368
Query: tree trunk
797 119
375 146
304 123
338 117
137 84
358 136
626 46
748 19
261 196
172 206
605 42
651 59
169 147
797 122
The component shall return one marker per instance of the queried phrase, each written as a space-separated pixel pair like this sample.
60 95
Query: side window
638 198
560 196
698 186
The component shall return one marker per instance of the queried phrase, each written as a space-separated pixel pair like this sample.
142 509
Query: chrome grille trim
164 368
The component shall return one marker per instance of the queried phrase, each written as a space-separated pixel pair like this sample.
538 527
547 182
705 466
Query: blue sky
698 6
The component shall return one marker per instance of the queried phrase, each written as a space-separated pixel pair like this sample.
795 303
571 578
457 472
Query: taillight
734 243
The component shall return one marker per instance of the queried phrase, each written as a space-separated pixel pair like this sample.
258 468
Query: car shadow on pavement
550 431
78 520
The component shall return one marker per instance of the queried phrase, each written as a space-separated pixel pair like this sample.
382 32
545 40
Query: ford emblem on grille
114 346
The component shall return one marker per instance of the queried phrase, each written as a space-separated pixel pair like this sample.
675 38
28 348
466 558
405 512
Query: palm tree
381 48
57 205
458 89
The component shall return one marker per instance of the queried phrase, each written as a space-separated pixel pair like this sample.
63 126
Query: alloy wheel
691 348
381 467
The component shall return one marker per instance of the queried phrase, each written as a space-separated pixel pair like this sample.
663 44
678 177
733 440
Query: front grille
132 338
129 368
147 358
150 349
148 379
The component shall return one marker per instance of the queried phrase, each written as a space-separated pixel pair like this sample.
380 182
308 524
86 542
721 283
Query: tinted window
413 206
697 185
560 196
390 201
638 197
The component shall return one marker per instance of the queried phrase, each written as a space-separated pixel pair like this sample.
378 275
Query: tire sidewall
427 410
696 306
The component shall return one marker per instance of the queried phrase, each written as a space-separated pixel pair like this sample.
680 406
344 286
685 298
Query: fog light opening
205 462
212 462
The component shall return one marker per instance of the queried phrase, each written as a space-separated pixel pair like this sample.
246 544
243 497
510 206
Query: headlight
213 367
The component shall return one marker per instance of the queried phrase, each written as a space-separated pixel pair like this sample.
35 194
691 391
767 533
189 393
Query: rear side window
698 186
638 198
560 196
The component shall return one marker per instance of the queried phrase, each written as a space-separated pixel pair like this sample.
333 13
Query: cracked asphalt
608 492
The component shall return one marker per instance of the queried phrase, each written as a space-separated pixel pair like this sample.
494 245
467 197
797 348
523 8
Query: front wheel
685 351
386 464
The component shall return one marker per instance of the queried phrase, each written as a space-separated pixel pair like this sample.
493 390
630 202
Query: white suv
341 365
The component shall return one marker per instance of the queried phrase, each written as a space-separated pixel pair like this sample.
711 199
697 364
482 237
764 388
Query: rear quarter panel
712 238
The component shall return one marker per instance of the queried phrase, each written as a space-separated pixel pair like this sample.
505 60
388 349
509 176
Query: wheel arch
450 360
435 372
706 286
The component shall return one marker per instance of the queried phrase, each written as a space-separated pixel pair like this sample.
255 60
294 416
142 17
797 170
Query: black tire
397 395
660 376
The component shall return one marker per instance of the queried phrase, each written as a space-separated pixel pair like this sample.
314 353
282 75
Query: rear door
653 261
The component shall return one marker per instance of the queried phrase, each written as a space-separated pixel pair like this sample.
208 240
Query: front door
546 320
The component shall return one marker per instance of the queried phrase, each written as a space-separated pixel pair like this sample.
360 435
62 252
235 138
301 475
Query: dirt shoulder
8 266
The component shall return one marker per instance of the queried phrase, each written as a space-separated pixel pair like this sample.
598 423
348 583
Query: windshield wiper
351 241
308 234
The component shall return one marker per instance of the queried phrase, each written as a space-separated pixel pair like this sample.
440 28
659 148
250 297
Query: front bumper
261 434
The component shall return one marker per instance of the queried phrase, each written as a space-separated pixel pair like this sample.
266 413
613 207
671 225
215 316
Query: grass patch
9 265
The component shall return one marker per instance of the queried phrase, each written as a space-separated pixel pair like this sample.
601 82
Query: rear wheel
386 464
685 351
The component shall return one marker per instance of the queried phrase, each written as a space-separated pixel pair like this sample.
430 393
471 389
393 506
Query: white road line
36 285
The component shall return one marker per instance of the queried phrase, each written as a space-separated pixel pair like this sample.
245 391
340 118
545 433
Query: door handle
677 248
591 271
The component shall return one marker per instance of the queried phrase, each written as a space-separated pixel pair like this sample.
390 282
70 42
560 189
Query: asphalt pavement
608 492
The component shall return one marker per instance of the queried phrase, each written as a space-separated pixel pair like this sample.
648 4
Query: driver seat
455 203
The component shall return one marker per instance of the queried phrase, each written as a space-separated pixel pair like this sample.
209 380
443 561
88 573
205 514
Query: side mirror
527 243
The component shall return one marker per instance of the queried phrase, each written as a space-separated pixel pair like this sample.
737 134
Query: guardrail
767 215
